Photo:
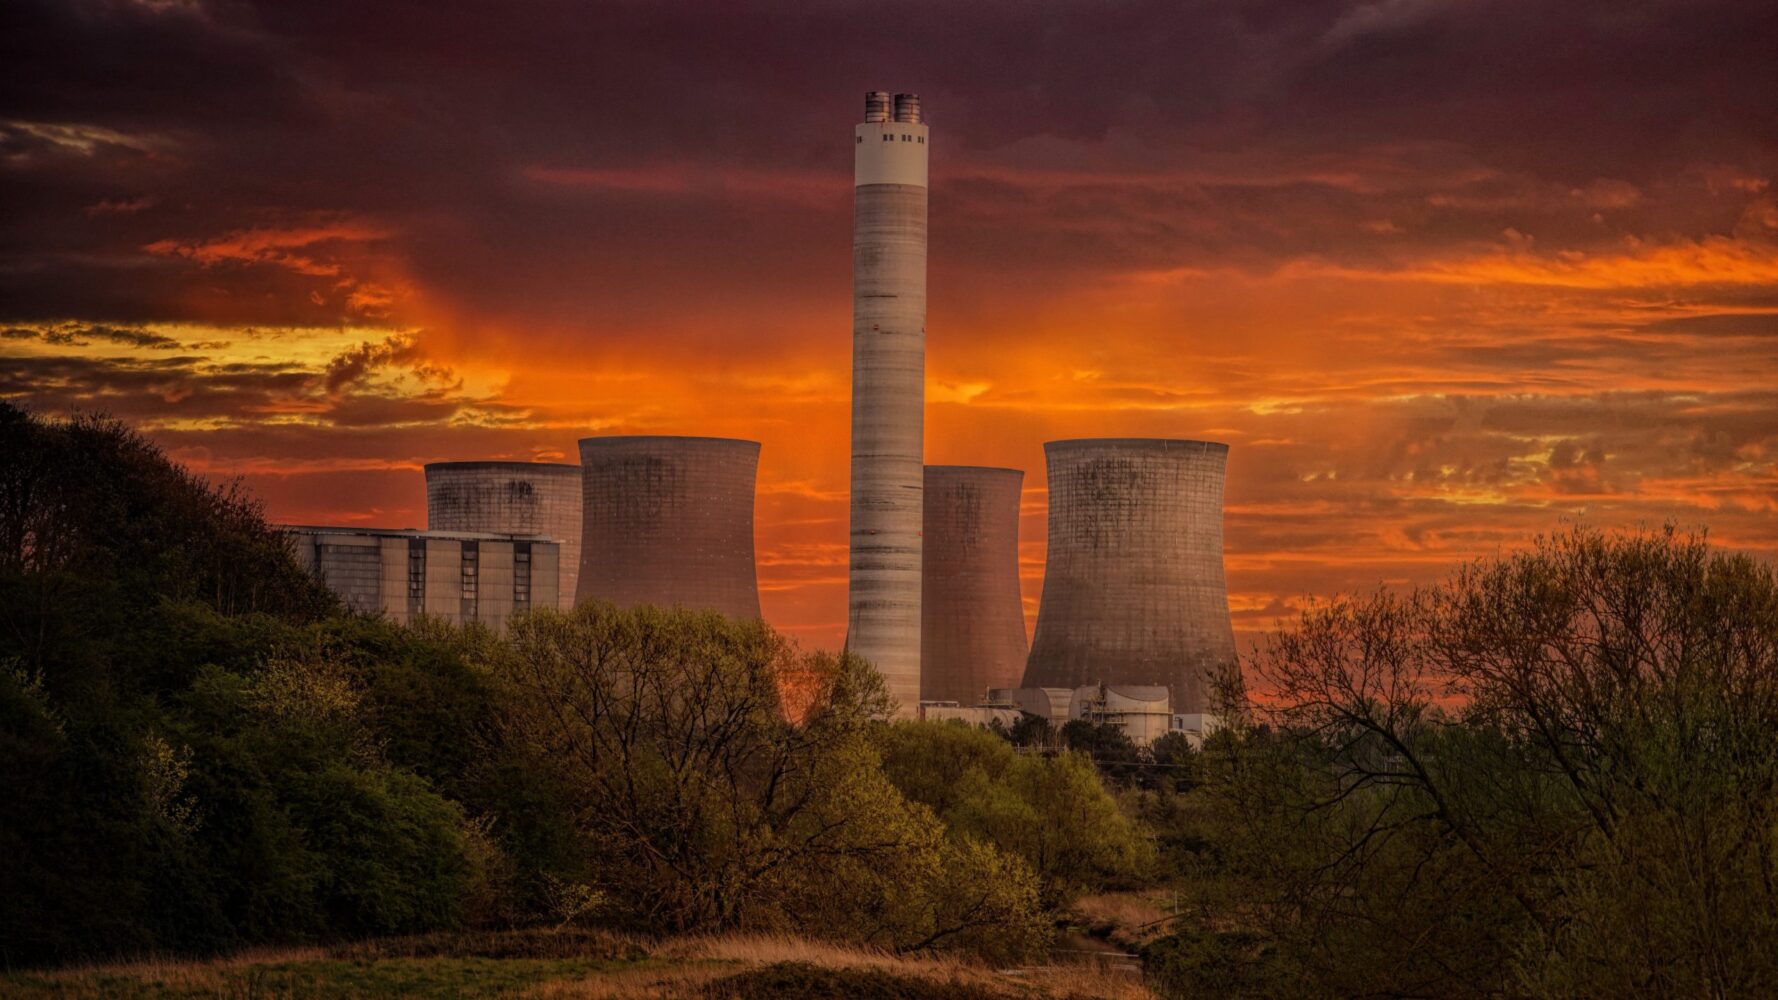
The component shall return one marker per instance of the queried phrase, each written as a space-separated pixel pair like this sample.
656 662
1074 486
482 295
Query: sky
1444 274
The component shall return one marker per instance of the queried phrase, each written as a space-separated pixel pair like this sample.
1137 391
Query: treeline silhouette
1553 775
203 751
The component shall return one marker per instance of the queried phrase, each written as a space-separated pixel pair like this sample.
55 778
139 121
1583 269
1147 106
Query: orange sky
1437 293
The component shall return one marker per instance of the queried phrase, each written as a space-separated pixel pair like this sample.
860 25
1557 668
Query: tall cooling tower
1133 590
888 390
972 620
669 520
520 498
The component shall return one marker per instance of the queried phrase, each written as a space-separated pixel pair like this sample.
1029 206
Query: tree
1052 811
703 806
1552 775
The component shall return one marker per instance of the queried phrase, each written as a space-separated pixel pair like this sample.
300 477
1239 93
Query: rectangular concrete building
460 576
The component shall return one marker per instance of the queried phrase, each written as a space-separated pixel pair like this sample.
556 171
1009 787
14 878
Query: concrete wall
350 565
888 400
393 554
372 570
669 520
1133 588
972 620
975 715
517 498
548 582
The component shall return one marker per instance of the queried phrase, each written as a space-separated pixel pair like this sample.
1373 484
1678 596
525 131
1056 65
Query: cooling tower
888 391
517 498
1133 590
669 520
972 621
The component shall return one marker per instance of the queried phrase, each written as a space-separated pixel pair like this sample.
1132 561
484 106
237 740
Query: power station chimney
972 622
669 520
1133 590
888 392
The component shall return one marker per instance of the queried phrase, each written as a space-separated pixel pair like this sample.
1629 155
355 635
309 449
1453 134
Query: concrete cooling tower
1133 589
516 498
888 390
972 621
669 520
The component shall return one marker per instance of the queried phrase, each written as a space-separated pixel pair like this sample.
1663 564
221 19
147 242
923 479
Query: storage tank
669 520
972 619
516 498
1133 590
888 391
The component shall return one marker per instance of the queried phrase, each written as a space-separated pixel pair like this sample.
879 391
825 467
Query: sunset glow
1435 305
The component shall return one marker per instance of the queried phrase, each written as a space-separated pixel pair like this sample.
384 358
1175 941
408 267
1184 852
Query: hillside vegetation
1553 775
206 753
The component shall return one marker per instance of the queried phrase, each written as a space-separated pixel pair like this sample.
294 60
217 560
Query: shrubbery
1051 811
203 751
1553 776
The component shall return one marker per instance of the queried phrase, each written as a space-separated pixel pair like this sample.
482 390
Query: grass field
578 964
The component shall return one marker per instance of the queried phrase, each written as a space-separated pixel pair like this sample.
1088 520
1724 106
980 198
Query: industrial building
458 576
883 616
1144 713
972 618
516 498
668 521
1133 591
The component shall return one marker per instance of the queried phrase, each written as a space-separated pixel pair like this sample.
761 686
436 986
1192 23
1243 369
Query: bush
1052 811
701 806
1551 776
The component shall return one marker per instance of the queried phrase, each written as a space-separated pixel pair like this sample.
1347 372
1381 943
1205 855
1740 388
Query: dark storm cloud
1238 133
1441 271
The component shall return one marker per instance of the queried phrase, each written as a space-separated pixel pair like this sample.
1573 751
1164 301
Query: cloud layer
1444 273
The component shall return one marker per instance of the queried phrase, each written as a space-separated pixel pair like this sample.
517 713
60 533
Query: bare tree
1556 774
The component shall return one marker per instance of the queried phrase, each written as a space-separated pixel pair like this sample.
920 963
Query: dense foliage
204 751
700 806
1554 776
1051 810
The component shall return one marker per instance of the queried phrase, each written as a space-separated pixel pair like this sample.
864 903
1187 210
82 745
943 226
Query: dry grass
689 965
176 974
589 966
1126 919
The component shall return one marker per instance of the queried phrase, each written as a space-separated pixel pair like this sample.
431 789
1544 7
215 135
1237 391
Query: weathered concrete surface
669 520
460 576
888 398
1133 588
524 498
972 620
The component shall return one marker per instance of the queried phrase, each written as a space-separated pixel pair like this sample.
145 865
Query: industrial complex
519 498
1134 610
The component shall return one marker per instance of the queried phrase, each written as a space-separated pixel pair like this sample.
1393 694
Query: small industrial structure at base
1143 714
1134 610
459 576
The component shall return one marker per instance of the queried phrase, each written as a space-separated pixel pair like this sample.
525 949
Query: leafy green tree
1551 776
702 806
1051 810
194 737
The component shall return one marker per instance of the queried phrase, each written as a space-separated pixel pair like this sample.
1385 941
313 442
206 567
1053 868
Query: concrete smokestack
1133 589
876 106
513 498
888 395
669 520
972 620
